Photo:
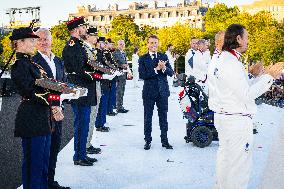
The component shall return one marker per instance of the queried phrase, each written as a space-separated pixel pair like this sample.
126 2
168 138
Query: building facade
275 7
186 12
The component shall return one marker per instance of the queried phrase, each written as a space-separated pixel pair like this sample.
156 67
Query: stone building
275 7
190 12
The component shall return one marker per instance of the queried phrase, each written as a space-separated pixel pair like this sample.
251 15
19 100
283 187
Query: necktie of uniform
190 61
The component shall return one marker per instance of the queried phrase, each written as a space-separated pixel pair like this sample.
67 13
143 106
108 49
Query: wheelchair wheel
202 136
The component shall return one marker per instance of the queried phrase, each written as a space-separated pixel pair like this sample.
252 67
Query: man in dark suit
119 56
54 67
154 68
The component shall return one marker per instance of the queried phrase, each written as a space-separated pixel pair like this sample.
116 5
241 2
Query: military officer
105 88
112 94
32 122
89 42
80 73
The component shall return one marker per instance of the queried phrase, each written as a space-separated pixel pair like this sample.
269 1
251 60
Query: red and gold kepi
76 22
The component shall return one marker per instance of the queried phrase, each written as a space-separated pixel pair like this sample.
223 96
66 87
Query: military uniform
120 58
105 88
33 119
80 73
112 93
92 56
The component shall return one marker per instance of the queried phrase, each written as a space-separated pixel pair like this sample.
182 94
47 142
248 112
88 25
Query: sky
54 10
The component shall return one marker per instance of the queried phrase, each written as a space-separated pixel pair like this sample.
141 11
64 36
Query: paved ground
10 147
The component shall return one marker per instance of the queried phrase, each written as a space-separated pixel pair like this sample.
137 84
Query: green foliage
123 27
266 37
7 48
179 36
220 17
60 35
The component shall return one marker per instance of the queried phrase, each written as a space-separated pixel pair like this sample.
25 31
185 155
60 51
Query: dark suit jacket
60 73
154 83
59 65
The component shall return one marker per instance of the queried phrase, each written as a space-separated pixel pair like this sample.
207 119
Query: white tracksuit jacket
231 96
230 89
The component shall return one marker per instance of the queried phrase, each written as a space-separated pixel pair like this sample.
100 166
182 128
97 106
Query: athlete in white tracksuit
231 97
199 67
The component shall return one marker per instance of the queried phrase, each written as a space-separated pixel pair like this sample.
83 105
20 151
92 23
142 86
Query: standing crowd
94 63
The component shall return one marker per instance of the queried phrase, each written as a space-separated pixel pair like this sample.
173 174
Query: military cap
76 22
92 31
109 40
101 39
22 33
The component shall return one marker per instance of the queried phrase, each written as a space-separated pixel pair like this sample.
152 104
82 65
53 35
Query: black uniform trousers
162 106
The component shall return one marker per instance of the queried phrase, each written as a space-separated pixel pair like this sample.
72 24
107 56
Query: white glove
109 77
70 96
118 73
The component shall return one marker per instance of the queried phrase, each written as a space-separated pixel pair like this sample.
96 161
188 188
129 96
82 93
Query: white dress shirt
50 62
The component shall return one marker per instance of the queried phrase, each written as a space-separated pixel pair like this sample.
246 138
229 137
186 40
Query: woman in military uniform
35 112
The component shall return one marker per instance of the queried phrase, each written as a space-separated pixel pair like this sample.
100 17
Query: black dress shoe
84 162
92 160
55 185
122 110
93 150
167 145
103 129
147 146
111 114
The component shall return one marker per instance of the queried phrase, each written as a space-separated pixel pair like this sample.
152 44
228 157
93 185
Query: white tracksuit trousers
234 156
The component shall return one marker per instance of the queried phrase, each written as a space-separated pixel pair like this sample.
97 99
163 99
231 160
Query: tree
7 48
179 36
60 35
220 17
123 27
265 35
144 34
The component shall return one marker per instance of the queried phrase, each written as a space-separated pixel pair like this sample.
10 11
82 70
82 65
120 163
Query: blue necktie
190 61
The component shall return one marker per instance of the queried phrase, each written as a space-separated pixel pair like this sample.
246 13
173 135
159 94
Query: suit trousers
234 155
112 97
101 117
93 115
121 82
162 106
54 149
81 129
35 162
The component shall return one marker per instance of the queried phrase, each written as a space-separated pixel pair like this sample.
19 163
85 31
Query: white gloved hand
118 73
109 77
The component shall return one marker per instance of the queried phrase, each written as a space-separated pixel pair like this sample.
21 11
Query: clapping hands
161 65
